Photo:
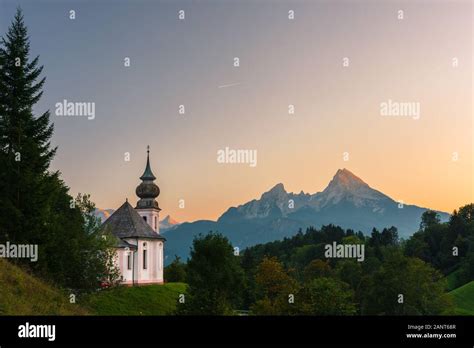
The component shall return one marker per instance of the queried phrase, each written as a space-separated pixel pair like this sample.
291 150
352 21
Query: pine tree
35 206
24 138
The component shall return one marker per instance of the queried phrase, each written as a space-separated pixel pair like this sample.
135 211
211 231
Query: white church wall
154 271
145 272
122 264
153 274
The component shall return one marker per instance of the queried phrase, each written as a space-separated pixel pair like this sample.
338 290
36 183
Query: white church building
140 247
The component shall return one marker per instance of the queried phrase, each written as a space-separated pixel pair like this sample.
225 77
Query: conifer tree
24 137
35 205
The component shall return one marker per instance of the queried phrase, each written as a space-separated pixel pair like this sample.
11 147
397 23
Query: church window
144 218
144 259
129 261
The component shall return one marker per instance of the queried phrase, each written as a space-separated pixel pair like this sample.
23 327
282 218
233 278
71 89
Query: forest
294 277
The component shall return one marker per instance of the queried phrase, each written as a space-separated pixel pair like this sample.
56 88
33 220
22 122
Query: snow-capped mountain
344 187
347 201
347 186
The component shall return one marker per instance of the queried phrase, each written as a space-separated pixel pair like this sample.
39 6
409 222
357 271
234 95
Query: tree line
293 277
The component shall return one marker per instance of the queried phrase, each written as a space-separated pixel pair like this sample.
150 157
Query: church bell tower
147 206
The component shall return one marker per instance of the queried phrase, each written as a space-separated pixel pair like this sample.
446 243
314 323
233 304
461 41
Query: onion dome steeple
148 174
147 190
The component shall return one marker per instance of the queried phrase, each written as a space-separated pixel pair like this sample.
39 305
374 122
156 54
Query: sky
424 58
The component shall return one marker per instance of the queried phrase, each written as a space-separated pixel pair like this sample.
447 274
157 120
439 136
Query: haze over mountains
347 201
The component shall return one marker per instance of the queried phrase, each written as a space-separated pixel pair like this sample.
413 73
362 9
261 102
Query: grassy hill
463 298
23 294
453 280
137 300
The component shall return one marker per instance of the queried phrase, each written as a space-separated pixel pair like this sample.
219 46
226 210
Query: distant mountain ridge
168 223
343 186
347 201
103 214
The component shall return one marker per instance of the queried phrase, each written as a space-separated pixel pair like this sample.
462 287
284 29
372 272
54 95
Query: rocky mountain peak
169 220
275 192
345 179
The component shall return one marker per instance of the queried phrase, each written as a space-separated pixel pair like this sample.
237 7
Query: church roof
124 244
125 222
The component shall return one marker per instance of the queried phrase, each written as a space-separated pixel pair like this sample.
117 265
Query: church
140 247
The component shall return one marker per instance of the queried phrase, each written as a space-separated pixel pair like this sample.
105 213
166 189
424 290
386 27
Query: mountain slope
168 223
347 201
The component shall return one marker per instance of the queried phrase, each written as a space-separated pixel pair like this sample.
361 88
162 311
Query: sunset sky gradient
337 109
